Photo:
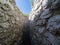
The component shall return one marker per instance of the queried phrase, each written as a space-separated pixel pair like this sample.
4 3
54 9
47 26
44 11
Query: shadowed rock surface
45 22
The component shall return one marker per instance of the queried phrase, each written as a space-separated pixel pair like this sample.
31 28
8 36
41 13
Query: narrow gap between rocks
26 38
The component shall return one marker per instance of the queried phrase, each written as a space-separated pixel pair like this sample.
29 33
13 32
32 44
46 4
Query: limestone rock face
11 23
45 22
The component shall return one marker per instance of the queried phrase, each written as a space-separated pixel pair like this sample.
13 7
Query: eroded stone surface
11 23
45 22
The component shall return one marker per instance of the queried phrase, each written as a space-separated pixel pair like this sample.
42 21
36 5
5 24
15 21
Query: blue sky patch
24 6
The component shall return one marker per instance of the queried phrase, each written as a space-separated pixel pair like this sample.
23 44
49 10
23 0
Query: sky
24 6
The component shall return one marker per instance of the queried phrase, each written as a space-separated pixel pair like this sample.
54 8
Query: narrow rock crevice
26 38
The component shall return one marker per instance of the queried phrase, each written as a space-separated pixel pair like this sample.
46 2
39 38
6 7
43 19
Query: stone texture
45 22
11 23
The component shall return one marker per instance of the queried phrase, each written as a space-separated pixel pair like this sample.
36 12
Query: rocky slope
45 22
11 23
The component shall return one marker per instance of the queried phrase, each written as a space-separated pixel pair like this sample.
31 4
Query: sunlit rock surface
45 22
11 23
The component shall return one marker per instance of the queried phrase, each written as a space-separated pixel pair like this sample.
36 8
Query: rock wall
45 22
11 23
